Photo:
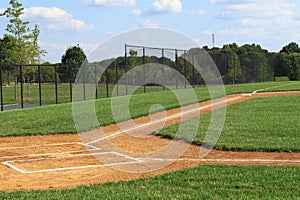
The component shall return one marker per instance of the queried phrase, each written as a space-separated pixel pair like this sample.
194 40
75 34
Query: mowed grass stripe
203 182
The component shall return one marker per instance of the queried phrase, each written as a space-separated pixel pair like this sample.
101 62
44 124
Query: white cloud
55 18
198 12
136 12
257 9
148 23
109 2
217 1
167 5
255 22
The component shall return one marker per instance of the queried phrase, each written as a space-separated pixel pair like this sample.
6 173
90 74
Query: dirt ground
66 161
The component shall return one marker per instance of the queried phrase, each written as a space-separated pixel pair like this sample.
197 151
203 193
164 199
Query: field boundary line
163 119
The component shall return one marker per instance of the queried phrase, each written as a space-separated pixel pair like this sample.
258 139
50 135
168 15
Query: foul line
160 120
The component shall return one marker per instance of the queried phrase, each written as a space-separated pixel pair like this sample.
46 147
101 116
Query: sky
64 23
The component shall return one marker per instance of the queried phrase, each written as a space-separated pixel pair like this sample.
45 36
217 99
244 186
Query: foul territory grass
203 182
263 124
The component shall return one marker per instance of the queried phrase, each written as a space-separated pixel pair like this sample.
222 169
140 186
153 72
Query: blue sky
270 23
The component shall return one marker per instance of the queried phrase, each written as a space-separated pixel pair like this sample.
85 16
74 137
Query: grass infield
203 182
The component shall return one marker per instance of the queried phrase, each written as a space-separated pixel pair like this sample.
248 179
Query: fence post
55 79
1 89
21 80
84 92
40 86
144 70
126 69
96 80
117 77
185 70
163 65
176 67
106 82
194 78
70 83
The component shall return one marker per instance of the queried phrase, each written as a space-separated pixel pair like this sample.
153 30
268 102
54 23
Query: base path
66 161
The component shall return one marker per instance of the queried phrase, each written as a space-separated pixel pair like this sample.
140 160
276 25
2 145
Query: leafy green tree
6 45
294 66
26 49
36 52
292 47
70 63
235 71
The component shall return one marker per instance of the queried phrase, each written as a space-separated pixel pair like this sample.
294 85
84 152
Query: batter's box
70 162
43 150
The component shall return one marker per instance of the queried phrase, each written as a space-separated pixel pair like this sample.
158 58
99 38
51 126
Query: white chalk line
223 160
163 119
278 86
144 160
42 145
11 165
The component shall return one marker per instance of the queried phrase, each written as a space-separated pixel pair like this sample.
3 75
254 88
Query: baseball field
257 155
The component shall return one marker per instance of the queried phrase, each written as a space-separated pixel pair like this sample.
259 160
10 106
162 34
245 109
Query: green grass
263 124
31 93
203 182
55 119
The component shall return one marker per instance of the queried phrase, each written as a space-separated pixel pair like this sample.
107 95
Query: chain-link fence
36 85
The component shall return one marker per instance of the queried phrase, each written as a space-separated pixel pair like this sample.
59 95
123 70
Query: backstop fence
23 86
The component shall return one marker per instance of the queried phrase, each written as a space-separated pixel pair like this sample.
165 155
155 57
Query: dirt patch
65 161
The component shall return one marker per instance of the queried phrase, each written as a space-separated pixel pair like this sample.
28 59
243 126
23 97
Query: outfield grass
263 124
203 182
55 119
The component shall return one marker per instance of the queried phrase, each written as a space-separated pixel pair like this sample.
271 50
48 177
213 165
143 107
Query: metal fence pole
144 70
70 83
21 80
126 69
1 89
193 70
84 91
40 86
117 78
185 70
56 89
96 80
163 65
176 67
106 82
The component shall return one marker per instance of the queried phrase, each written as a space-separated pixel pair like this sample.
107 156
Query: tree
294 65
235 72
292 47
6 45
36 52
26 49
70 63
